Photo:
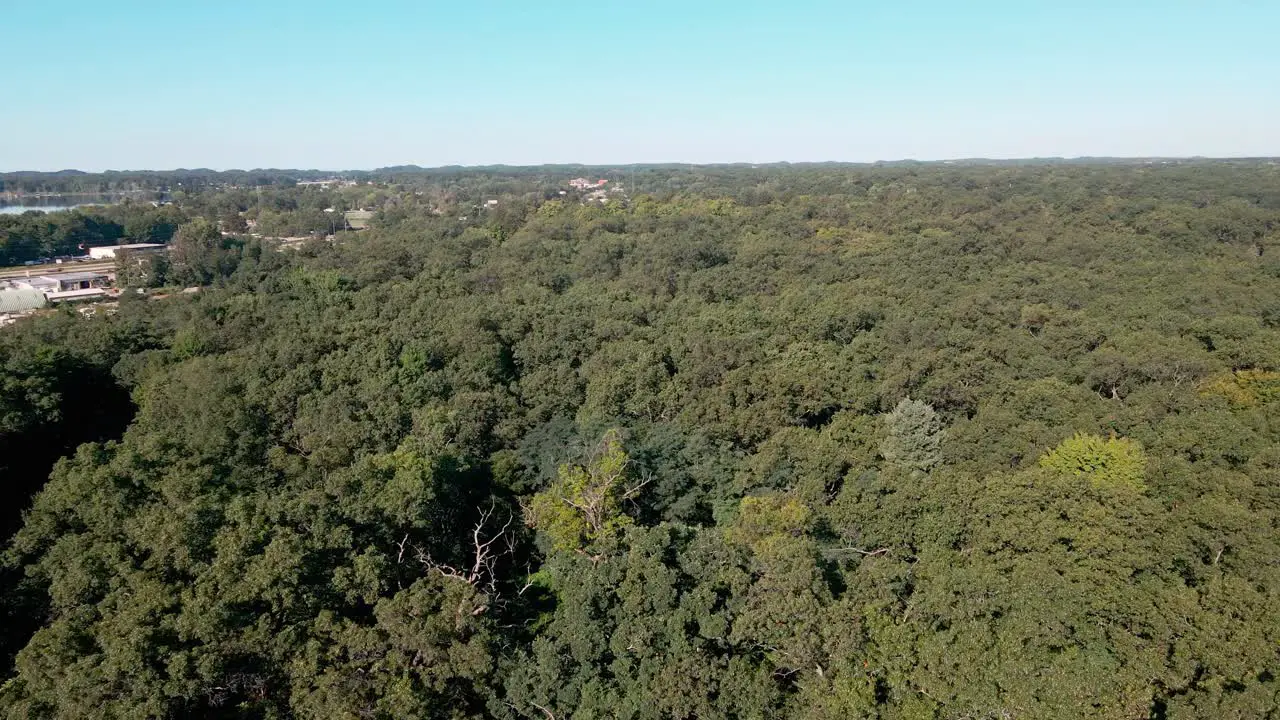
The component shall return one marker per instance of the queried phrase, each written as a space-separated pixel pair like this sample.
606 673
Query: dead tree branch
866 553
485 553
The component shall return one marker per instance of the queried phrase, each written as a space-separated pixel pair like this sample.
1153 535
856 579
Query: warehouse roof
12 301
77 276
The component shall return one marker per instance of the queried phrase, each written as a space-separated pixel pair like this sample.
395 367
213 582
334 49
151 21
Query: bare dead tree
400 545
867 553
633 492
528 580
485 554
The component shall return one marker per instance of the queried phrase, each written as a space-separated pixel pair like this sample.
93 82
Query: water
19 209
17 204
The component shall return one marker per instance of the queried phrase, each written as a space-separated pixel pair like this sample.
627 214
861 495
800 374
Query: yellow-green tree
584 504
1245 388
1108 462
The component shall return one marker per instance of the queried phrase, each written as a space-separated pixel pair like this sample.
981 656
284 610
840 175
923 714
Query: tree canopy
900 441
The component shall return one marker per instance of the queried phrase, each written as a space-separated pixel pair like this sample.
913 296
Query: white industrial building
106 252
63 282
66 286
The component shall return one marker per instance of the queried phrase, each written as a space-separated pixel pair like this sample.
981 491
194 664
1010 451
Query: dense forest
896 442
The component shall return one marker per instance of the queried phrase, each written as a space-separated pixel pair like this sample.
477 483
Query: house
585 184
109 251
16 303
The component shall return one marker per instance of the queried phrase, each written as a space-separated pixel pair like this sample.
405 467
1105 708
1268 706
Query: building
326 184
358 219
63 282
107 252
585 184
73 295
41 283
16 303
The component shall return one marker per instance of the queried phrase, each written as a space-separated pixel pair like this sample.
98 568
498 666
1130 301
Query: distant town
88 277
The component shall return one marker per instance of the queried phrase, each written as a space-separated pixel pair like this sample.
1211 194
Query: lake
12 203
19 209
53 203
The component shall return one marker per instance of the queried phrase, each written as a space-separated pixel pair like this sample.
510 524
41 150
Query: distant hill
76 181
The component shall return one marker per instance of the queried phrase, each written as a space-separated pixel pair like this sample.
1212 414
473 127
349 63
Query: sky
129 84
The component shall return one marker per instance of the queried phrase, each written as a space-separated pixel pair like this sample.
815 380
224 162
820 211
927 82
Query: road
55 269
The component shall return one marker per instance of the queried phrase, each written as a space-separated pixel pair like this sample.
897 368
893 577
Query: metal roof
77 276
12 301
77 294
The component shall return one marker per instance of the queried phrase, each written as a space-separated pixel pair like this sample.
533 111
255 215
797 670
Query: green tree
196 255
913 436
233 222
141 270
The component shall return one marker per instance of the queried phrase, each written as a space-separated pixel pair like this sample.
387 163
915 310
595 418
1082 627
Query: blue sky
129 84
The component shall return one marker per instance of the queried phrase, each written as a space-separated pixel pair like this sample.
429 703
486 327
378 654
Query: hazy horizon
287 85
659 163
